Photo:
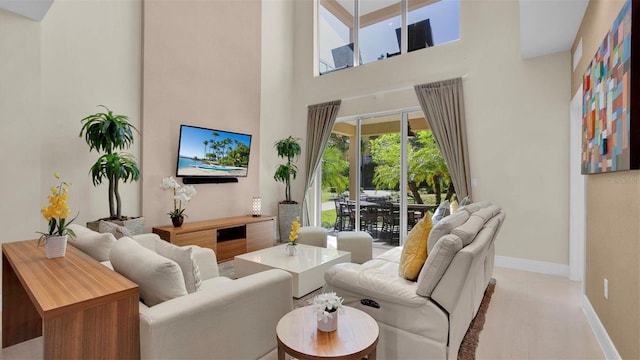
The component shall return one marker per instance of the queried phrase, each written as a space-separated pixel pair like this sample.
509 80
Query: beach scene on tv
207 152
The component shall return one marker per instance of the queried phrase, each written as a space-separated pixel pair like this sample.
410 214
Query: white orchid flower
169 183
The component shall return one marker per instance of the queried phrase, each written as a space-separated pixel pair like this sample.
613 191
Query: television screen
212 153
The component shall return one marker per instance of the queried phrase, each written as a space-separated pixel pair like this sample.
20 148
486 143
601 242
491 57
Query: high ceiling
32 9
546 26
549 26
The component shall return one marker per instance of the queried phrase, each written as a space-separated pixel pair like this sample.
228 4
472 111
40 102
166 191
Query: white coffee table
307 267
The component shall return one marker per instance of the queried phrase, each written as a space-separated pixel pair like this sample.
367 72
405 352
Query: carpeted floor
469 342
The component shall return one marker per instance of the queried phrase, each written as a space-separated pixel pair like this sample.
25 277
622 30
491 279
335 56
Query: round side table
356 337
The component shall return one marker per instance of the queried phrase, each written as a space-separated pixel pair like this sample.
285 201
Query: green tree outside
425 164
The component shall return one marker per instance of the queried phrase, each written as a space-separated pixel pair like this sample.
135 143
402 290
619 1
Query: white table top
307 257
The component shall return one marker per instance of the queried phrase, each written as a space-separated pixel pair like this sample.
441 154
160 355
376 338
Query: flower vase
55 246
292 249
330 325
177 220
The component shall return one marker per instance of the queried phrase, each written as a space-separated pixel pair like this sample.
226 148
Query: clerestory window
379 29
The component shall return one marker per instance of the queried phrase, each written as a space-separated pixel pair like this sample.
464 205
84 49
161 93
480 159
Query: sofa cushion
414 251
183 256
160 279
92 243
445 226
468 231
115 229
441 212
437 263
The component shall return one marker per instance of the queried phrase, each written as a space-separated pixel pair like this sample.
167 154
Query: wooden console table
86 310
228 237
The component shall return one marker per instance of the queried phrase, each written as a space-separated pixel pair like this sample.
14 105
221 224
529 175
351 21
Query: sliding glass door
380 174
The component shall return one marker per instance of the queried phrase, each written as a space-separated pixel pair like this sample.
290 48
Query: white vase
330 325
291 249
55 246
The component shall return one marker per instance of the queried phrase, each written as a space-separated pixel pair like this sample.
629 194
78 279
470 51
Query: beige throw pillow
115 229
159 278
183 256
92 243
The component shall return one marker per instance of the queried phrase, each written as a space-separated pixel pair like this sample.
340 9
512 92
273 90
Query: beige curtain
443 106
320 120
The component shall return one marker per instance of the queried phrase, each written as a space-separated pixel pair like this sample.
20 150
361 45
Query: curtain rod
377 93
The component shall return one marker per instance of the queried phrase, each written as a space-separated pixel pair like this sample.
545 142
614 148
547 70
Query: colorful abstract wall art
607 136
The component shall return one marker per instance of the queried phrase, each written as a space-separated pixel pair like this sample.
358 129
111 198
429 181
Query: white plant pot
55 246
330 325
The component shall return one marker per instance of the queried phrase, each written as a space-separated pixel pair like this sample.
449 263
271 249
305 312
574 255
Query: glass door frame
404 122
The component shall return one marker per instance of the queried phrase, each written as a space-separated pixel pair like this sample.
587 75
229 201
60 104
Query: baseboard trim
606 345
541 267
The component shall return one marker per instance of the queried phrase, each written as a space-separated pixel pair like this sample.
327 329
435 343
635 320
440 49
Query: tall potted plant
288 209
107 132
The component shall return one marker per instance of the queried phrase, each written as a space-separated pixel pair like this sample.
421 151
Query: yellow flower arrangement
57 211
293 234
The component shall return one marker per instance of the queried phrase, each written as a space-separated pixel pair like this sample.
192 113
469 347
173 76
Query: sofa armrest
206 260
373 284
226 319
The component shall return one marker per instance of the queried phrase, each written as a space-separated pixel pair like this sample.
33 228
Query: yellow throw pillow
414 252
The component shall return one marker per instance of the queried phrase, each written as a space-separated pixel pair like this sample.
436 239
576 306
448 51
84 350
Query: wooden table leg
281 352
20 318
372 354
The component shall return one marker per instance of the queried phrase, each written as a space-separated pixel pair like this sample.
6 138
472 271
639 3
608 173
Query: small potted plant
107 132
55 239
288 209
326 307
182 194
293 237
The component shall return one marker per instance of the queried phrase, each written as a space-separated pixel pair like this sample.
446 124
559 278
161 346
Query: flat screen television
212 154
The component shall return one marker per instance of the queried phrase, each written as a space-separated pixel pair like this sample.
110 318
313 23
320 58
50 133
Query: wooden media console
228 237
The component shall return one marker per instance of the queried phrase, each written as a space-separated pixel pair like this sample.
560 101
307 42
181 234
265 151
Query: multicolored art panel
605 106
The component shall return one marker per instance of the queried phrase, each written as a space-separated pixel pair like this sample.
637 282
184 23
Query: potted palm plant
107 132
288 209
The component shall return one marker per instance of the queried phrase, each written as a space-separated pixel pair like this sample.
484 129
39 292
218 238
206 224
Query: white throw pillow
160 279
115 229
183 255
92 243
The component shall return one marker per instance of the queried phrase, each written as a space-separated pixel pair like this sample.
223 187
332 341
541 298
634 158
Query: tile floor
536 316
531 316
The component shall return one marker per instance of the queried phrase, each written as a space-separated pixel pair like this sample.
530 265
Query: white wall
20 145
53 74
517 116
276 96
202 65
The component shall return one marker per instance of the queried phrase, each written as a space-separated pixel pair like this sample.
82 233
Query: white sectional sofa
426 319
221 319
